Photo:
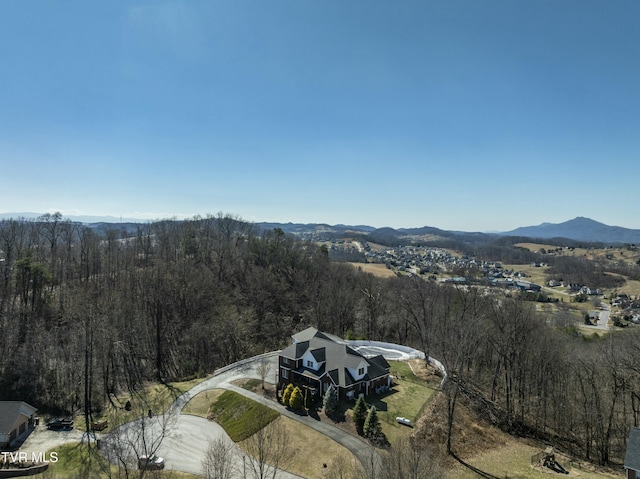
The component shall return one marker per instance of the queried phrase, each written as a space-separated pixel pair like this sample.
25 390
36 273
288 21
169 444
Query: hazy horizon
113 219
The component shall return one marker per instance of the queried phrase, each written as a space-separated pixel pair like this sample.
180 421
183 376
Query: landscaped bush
297 399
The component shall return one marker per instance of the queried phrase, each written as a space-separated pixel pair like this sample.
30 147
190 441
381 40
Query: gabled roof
378 366
309 333
632 458
334 358
10 411
319 354
295 350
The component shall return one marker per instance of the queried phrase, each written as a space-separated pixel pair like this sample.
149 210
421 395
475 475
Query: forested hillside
181 298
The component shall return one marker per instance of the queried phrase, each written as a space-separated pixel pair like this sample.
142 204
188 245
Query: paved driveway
42 440
188 437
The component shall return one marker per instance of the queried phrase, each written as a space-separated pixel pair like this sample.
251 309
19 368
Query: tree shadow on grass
377 400
479 472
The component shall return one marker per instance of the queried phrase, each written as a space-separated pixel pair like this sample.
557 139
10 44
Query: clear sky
468 115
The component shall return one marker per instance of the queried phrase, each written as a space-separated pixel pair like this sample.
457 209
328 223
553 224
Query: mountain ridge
578 229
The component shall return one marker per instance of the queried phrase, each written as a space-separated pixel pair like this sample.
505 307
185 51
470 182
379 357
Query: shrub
286 395
297 399
330 400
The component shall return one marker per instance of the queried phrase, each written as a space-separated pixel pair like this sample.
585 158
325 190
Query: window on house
309 364
361 372
285 374
285 361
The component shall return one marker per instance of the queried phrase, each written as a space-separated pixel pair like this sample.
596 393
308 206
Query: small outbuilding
632 457
17 420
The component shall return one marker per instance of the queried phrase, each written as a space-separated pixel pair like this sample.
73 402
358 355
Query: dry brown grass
315 456
513 460
199 404
488 449
376 269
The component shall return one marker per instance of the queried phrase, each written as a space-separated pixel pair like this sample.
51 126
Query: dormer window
310 364
361 372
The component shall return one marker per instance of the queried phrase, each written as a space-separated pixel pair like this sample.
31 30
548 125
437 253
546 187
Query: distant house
318 360
17 419
526 286
632 457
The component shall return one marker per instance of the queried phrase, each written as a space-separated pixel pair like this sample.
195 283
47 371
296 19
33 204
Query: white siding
308 361
356 372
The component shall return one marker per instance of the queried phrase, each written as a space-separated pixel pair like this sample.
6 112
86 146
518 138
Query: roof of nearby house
334 358
10 411
632 458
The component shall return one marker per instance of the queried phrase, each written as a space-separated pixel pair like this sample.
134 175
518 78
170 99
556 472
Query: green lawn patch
239 416
77 460
155 398
408 398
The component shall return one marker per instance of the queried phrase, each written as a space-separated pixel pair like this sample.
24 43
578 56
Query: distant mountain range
577 229
580 229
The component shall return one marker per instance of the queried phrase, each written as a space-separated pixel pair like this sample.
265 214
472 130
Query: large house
632 458
318 360
17 419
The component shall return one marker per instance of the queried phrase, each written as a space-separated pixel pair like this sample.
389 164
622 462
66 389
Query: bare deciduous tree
263 369
409 460
268 449
219 463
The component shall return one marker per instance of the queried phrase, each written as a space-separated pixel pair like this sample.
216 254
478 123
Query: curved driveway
188 439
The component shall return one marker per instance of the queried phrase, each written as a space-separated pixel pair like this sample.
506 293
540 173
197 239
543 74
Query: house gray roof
632 458
334 358
307 334
295 350
10 411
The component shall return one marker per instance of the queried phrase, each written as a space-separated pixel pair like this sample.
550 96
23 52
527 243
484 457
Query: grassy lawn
156 397
513 461
200 404
239 416
311 451
76 460
408 398
376 269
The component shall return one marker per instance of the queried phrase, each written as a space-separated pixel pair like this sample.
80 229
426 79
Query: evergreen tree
308 399
286 395
360 414
297 399
330 400
372 428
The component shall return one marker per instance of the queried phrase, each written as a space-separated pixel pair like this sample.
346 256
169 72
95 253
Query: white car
151 462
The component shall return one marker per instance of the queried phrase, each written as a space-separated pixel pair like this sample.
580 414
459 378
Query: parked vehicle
60 423
150 462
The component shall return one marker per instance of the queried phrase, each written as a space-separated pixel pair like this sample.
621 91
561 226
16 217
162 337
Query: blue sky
468 115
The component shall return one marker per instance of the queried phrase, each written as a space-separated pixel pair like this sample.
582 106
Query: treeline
85 316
